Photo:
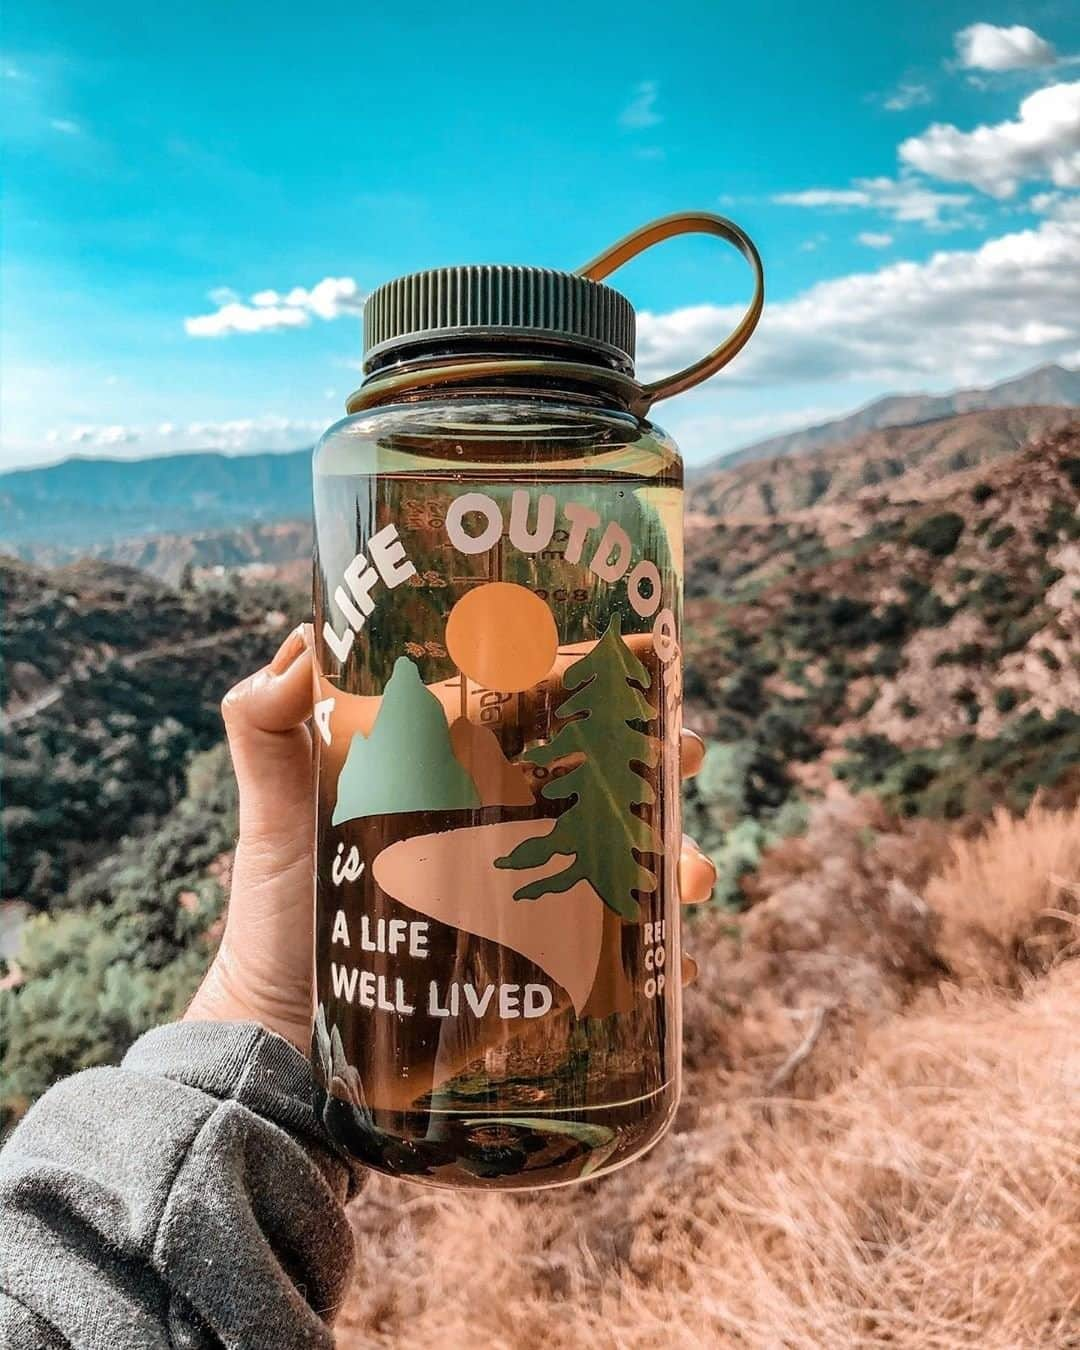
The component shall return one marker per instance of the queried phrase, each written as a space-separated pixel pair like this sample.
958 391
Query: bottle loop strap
689 222
390 384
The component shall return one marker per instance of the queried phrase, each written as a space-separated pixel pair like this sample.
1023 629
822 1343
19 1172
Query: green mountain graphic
407 763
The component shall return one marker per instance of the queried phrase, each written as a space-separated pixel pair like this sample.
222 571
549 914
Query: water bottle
497 595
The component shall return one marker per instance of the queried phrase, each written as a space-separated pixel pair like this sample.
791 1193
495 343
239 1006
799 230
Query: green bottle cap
501 303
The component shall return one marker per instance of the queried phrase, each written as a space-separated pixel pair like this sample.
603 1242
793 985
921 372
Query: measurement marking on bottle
542 1110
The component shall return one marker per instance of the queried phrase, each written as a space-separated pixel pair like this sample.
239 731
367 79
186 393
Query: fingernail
289 650
692 753
692 847
689 969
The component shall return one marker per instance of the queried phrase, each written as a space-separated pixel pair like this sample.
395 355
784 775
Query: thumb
270 744
263 968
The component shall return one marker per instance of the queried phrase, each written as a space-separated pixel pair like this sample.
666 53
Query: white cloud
251 433
97 437
962 316
1044 143
332 297
269 310
237 318
236 436
907 96
65 126
871 239
641 112
903 199
985 46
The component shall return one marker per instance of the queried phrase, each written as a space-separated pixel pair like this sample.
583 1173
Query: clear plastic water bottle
497 593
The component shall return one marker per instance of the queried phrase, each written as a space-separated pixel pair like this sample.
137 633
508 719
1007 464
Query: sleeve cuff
237 1061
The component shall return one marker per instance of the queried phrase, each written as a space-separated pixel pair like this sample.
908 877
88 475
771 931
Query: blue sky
909 172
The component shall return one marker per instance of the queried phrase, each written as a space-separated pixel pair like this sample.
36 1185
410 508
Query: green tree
938 535
600 828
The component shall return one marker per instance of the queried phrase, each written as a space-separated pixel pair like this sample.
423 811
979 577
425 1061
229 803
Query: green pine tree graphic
599 829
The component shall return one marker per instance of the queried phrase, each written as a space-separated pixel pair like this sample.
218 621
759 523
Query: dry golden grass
915 1183
1009 899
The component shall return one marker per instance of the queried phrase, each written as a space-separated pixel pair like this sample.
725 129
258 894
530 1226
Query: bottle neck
561 372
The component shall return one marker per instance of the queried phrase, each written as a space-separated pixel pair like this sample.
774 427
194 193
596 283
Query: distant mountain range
1046 385
905 459
280 549
85 502
215 510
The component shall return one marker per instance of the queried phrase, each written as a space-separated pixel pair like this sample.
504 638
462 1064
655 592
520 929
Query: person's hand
263 971
264 967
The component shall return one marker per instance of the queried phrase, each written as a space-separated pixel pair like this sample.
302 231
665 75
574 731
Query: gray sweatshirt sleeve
185 1199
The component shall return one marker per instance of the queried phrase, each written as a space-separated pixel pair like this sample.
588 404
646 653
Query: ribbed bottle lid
496 300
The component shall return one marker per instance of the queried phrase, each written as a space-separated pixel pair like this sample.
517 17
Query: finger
269 743
689 970
276 698
692 753
697 874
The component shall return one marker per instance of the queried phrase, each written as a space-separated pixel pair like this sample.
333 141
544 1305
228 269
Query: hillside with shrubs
112 682
921 647
118 814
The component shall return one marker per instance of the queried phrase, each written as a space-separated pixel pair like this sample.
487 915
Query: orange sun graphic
502 636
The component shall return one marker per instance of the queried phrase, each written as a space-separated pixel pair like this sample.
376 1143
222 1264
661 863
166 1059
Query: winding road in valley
22 712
